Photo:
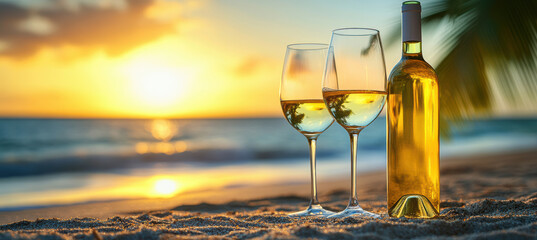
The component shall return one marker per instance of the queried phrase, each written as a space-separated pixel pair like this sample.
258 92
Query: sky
167 58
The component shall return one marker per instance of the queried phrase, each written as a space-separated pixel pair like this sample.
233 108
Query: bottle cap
411 6
411 21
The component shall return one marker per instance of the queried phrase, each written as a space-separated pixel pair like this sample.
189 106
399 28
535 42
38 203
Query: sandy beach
483 197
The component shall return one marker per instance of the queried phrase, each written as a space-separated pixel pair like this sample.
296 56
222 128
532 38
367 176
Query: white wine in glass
303 105
354 109
309 117
354 90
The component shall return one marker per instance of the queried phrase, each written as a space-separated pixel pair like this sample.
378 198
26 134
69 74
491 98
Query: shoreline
483 197
368 184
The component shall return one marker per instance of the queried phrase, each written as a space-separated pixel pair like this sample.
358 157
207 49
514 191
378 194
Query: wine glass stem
313 146
353 202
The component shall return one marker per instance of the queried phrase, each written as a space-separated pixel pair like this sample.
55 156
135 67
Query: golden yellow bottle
412 121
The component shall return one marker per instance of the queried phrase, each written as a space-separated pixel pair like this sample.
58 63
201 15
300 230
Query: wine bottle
412 122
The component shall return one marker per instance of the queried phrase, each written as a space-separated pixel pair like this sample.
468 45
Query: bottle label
411 23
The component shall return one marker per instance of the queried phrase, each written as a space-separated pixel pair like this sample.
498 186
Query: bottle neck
411 29
412 50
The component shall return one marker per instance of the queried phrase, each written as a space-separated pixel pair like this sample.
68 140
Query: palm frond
489 42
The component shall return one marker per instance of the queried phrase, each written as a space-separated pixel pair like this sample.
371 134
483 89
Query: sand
483 197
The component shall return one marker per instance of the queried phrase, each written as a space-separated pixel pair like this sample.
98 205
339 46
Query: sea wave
154 153
38 147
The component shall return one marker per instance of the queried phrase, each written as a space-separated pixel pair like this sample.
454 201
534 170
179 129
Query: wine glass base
357 212
315 211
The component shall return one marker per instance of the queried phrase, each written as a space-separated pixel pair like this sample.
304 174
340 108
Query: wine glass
303 106
354 90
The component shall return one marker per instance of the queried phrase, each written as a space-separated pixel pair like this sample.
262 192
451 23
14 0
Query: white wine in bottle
412 121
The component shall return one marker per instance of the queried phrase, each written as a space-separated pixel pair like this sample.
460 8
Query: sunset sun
155 84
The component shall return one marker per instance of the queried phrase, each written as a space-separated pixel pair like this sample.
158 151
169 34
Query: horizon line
133 118
219 118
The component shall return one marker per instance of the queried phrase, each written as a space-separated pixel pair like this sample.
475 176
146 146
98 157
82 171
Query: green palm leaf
492 45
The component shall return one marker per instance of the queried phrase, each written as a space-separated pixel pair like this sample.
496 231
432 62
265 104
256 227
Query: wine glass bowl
354 91
354 109
355 57
303 105
310 117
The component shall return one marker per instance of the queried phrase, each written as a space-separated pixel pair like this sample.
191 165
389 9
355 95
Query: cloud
248 66
114 28
37 25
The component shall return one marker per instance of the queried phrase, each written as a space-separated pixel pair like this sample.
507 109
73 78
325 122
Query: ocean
47 162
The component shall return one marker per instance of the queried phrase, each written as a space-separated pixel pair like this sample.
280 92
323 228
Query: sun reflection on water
162 130
165 187
186 183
